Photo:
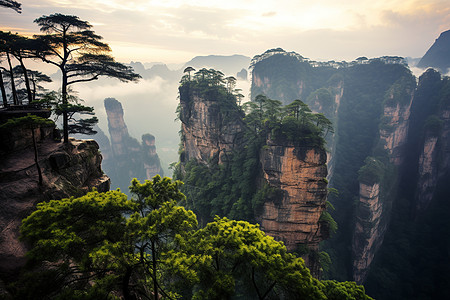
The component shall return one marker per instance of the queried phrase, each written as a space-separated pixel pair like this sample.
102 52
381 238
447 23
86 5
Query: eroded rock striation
294 218
67 169
298 173
207 133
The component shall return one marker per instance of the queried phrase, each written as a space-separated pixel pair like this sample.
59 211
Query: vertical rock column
299 172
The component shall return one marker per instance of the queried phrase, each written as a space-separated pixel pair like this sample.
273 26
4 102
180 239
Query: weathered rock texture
372 213
206 134
369 230
395 130
150 160
118 130
299 172
434 161
129 159
68 170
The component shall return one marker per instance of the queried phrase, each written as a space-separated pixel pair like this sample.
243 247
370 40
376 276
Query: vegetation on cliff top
103 245
231 188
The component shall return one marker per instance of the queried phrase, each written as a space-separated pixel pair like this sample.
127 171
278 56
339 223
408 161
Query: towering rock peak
129 159
208 130
295 175
294 215
150 158
395 119
67 170
118 130
438 56
369 229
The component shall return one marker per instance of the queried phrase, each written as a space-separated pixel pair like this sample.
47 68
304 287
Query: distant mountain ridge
230 64
438 56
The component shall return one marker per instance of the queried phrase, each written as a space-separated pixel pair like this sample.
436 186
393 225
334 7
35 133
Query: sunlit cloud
174 30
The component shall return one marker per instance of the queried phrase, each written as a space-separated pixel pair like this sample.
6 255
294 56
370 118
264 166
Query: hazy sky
174 31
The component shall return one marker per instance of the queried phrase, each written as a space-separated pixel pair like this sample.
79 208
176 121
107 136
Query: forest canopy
104 245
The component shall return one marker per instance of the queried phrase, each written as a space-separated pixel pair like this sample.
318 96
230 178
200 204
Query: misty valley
225 177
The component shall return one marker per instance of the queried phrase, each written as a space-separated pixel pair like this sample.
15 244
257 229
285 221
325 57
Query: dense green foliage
29 121
231 188
104 246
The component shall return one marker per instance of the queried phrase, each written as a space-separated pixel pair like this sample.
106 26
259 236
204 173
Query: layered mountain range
388 158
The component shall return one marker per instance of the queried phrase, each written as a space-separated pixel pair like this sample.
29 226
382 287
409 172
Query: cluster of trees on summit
232 187
70 45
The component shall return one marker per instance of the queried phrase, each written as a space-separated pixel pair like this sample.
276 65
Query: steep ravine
373 208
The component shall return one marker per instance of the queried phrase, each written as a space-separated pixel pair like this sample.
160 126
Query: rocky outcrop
395 124
118 130
372 213
369 229
434 161
207 132
68 170
150 160
296 175
294 218
129 159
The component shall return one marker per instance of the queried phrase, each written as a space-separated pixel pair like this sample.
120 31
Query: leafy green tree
81 56
156 227
21 48
347 290
297 108
189 70
69 234
96 249
242 260
323 123
75 124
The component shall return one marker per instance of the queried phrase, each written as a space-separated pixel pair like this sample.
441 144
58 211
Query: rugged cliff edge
207 132
299 172
68 170
214 134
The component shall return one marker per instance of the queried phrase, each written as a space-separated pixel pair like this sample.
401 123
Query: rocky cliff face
373 210
434 161
68 170
206 132
369 230
299 172
395 129
128 159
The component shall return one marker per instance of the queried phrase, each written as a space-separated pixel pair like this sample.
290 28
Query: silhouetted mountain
438 56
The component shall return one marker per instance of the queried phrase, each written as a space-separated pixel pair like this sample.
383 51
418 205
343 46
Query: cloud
269 14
